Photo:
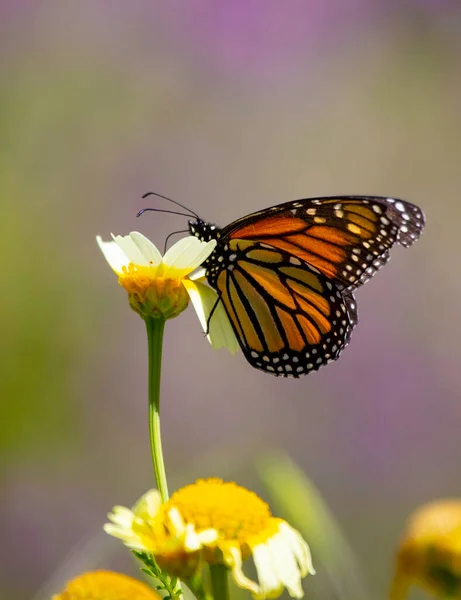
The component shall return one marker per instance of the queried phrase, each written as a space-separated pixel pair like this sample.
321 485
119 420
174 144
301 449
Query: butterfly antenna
173 233
163 210
171 200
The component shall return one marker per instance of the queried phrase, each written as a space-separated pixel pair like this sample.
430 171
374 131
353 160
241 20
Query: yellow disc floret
235 512
106 585
151 295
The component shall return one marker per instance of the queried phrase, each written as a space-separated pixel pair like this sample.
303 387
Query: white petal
116 531
221 332
123 517
199 273
122 534
177 522
285 566
233 559
204 299
148 505
208 536
131 250
299 548
186 255
270 584
191 540
113 254
148 250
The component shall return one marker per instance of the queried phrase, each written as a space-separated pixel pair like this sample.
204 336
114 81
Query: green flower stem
220 582
196 585
155 328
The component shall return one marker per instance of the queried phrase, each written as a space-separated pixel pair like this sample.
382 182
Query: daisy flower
429 554
212 522
161 287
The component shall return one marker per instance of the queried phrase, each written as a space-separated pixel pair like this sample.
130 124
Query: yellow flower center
233 511
106 585
152 295
430 551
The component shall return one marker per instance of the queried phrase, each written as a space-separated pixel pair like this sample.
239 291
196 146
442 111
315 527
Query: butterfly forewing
346 238
288 317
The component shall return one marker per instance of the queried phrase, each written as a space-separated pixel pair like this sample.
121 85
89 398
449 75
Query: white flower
212 521
162 286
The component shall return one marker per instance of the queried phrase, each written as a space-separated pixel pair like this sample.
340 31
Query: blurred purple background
229 108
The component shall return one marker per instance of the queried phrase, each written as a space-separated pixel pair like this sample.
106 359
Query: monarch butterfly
286 274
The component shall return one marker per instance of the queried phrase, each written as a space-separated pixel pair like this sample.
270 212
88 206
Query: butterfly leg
210 315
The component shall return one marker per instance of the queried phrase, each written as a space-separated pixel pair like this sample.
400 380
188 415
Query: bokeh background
228 107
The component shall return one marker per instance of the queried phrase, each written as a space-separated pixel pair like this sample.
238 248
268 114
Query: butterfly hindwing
289 318
346 238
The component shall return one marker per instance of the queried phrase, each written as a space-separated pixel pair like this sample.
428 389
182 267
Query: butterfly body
286 274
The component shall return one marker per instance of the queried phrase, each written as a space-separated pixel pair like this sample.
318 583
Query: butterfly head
204 231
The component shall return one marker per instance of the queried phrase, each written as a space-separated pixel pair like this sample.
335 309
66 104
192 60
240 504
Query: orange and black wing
289 318
346 238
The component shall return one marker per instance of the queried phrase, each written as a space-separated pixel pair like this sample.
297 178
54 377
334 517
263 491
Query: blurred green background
228 107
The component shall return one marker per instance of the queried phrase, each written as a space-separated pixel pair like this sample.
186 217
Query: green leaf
165 582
